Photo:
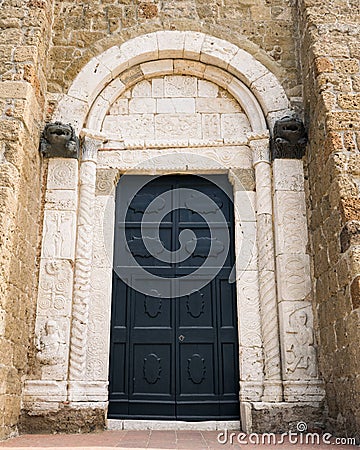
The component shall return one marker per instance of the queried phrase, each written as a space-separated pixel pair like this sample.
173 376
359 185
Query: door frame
239 168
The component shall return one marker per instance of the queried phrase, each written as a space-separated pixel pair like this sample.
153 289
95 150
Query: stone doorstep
210 425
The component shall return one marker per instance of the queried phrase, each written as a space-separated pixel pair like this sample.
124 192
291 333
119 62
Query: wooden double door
174 346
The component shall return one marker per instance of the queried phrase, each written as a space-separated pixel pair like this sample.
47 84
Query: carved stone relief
58 140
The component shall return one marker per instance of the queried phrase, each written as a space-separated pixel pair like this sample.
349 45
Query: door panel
174 356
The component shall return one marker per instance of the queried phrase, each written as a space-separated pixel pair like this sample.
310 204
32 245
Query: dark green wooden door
174 349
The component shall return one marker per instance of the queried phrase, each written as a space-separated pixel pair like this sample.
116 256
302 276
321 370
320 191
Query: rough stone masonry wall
24 37
330 56
84 29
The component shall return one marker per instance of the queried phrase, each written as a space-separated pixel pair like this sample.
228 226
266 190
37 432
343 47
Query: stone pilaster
298 347
266 266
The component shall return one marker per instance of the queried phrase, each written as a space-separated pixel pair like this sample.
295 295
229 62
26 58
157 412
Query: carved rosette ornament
289 139
58 140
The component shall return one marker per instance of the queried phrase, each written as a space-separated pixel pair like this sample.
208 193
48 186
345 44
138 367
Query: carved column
247 287
82 271
266 264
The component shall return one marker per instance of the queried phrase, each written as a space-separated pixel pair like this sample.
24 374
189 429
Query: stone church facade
189 87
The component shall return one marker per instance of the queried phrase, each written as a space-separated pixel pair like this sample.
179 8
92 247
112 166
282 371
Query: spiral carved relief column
83 262
267 284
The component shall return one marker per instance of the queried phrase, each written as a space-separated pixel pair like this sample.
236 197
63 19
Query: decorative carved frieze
58 140
289 139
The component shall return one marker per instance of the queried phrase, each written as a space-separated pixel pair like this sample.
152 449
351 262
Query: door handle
181 338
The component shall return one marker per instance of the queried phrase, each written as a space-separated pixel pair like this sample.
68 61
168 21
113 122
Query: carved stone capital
289 139
58 140
260 150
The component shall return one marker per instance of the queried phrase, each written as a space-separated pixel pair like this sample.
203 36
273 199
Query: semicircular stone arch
164 53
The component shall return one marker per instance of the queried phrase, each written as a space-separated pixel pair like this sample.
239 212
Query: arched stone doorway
177 102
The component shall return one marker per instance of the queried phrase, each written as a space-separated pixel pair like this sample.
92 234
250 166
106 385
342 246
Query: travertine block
157 68
59 234
55 288
299 358
180 86
142 89
246 67
192 44
142 106
210 126
62 174
291 234
270 93
217 52
288 175
217 105
175 105
44 390
177 126
171 44
61 200
120 106
249 310
234 126
293 276
207 89
251 364
157 87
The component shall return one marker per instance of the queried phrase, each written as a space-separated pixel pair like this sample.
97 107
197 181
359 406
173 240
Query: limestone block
270 93
246 248
251 391
142 89
217 52
98 110
251 364
291 234
171 44
103 232
300 391
175 105
298 352
90 81
59 234
248 310
119 107
246 67
44 390
61 200
218 76
244 206
62 174
113 90
288 175
207 89
186 67
157 87
140 49
115 59
52 347
234 126
135 126
180 86
87 391
177 126
249 104
142 106
106 180
55 288
265 242
192 44
293 276
217 105
157 68
210 124
263 200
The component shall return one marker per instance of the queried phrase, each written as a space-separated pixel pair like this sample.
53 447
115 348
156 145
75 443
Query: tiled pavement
186 440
